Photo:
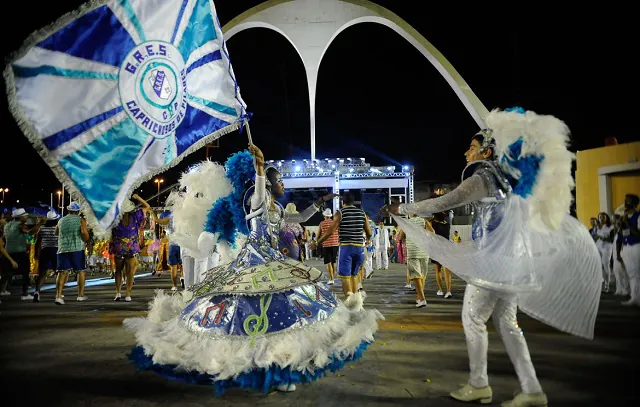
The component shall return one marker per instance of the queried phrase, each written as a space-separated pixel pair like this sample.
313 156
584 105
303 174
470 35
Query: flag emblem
121 90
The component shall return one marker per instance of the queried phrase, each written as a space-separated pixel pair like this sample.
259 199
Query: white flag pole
62 209
246 124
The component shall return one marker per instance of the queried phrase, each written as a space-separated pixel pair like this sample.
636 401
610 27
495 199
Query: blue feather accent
226 216
521 172
516 109
256 379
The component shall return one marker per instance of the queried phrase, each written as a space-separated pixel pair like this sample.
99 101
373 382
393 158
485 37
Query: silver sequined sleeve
258 197
470 190
300 217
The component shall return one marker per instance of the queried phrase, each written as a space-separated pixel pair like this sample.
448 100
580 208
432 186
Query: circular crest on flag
152 85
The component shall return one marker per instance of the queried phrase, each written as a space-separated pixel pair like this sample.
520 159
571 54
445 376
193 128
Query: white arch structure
312 25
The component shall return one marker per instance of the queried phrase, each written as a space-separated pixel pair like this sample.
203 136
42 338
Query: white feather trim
190 204
206 243
169 343
547 136
228 253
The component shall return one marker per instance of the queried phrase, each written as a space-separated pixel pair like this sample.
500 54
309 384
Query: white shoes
174 288
127 299
330 282
83 298
439 293
420 304
59 301
287 387
482 395
5 293
527 400
26 297
448 295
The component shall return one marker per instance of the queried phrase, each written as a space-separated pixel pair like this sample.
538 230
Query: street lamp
59 204
158 181
3 191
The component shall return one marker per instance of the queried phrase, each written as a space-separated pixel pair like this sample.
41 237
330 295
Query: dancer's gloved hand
391 209
257 154
325 198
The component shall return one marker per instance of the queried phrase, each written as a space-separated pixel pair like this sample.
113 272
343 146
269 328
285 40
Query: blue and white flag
120 90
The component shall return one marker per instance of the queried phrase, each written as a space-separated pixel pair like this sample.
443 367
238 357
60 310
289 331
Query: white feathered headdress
532 151
199 189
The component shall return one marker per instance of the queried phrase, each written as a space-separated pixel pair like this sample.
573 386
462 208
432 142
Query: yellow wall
622 184
587 164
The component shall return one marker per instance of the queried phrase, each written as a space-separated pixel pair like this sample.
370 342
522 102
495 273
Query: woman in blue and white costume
526 251
262 321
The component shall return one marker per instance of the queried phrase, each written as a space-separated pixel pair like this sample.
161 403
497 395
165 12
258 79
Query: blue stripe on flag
178 20
97 36
100 168
199 31
133 18
214 56
213 105
27 72
196 125
56 140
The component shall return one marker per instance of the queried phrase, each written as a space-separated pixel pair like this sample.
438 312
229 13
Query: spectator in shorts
174 257
46 251
351 222
442 228
5 257
417 262
15 234
72 235
330 245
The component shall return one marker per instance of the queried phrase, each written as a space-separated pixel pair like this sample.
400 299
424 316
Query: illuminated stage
373 186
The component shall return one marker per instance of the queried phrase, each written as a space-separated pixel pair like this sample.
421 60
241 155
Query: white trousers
620 273
382 259
307 251
205 265
478 305
188 266
631 256
606 250
368 262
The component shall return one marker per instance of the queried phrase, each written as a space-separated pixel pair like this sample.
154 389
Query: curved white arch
260 24
312 25
473 109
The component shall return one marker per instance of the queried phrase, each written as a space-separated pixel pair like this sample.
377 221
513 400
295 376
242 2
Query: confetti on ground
427 380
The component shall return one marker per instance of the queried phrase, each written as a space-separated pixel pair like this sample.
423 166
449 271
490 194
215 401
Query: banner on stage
120 90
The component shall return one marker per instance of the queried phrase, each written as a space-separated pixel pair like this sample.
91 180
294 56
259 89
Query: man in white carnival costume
526 251
382 247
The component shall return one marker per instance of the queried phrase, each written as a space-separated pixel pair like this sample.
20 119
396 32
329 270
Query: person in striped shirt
46 251
351 222
330 245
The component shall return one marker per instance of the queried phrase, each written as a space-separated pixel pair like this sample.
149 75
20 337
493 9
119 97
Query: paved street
75 355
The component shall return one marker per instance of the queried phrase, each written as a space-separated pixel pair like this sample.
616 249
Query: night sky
379 98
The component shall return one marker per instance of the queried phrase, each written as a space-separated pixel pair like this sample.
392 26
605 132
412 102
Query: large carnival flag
120 90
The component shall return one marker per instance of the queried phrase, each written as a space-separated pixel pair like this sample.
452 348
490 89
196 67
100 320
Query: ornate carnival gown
261 321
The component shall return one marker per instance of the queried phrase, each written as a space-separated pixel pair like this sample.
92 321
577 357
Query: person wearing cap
46 251
330 245
15 233
72 235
